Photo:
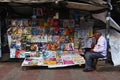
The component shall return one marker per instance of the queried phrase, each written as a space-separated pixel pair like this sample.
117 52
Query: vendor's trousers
89 57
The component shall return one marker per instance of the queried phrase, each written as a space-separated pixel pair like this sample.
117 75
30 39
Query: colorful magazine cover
34 31
49 38
51 31
70 46
68 62
66 46
36 38
13 22
25 23
55 22
41 21
49 61
28 29
50 54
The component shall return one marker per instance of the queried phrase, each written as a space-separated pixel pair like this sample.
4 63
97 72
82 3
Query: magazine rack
64 61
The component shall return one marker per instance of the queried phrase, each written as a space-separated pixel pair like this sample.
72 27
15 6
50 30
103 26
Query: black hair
99 33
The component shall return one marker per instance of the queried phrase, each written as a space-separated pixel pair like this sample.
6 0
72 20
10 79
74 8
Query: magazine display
30 37
47 41
52 62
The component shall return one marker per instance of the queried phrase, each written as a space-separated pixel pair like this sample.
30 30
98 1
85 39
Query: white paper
115 47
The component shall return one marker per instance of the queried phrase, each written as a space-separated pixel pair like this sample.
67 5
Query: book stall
49 41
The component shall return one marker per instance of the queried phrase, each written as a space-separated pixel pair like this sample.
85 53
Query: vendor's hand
92 45
91 50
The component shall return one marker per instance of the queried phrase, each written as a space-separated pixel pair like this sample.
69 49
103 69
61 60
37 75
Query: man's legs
89 57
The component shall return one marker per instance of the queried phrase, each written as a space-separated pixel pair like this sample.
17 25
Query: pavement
12 70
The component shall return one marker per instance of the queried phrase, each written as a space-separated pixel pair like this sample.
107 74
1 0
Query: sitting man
98 51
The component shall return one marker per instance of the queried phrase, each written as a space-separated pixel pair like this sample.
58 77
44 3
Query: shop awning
29 1
114 24
85 6
74 4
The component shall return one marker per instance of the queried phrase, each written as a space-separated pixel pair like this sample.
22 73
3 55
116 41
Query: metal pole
0 39
108 28
108 20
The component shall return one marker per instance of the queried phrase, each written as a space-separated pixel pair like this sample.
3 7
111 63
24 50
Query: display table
64 61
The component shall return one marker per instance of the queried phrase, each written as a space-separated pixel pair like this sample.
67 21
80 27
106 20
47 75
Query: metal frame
0 42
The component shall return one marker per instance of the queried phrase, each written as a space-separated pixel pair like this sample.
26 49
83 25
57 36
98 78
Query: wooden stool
100 63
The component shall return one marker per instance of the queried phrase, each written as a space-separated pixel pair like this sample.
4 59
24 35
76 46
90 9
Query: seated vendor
98 51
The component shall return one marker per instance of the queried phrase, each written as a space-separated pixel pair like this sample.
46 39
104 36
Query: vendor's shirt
101 46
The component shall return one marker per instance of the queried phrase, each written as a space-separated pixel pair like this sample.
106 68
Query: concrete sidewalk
13 71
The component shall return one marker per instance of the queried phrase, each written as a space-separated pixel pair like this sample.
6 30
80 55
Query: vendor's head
96 35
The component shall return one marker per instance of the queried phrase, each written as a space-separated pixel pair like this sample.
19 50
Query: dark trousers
89 58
